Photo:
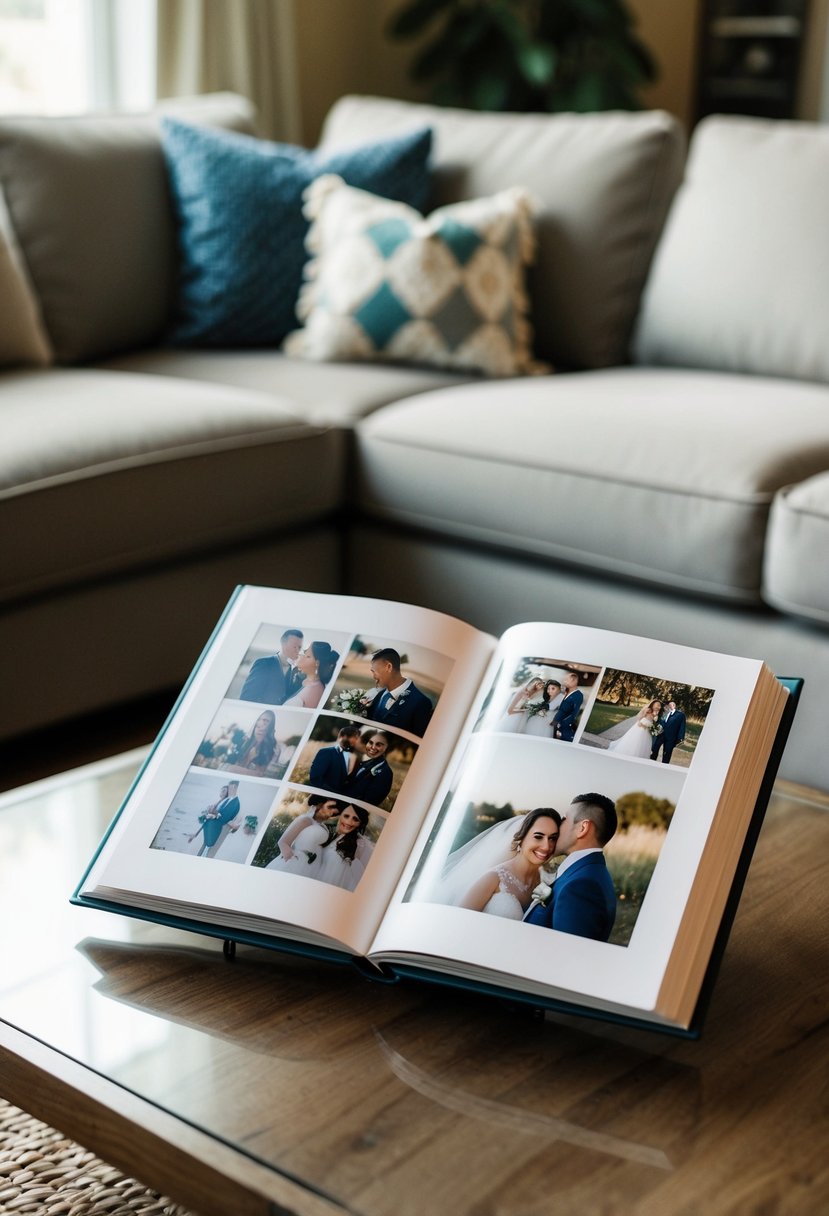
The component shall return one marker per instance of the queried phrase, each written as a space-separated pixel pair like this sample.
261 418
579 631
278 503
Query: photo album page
564 842
292 779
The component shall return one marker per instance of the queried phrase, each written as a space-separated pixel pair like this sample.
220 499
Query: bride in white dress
515 719
637 739
539 721
342 860
519 850
300 844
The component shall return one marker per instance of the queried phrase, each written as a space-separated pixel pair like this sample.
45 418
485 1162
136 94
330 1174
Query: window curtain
245 46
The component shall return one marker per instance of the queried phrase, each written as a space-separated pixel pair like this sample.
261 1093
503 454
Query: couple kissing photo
549 837
288 666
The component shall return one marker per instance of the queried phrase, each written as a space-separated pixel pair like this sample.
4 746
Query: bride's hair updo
540 812
327 659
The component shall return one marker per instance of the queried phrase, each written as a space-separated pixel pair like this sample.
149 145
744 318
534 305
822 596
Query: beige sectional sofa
670 477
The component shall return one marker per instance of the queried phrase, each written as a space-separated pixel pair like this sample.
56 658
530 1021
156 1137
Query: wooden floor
81 741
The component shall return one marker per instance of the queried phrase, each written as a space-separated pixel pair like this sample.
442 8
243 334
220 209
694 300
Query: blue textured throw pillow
241 230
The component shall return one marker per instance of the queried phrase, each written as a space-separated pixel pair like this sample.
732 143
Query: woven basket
44 1174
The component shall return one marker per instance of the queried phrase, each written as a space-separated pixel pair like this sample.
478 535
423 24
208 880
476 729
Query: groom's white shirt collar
394 693
571 857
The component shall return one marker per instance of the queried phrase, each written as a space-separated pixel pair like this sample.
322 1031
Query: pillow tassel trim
339 333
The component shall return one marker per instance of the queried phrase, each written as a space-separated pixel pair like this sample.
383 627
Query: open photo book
562 815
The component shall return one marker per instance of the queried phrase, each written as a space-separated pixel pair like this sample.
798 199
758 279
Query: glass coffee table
275 1084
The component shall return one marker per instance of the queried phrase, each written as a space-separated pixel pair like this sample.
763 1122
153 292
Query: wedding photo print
316 836
288 665
550 837
213 815
251 741
647 718
354 761
542 697
391 683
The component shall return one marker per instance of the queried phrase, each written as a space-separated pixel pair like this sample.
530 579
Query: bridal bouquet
351 701
656 729
532 708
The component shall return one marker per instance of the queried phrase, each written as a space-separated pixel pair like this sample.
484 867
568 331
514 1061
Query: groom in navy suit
332 765
671 735
273 679
567 714
583 900
399 702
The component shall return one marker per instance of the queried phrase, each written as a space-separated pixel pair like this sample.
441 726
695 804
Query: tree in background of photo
631 855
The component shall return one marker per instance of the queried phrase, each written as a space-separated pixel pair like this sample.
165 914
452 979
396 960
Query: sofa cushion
603 183
665 477
241 229
89 203
322 393
796 574
22 336
138 470
386 283
740 281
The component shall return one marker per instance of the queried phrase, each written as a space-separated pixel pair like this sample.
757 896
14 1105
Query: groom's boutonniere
542 894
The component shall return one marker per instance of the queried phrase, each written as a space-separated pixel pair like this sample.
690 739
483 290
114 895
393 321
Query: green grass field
603 716
631 859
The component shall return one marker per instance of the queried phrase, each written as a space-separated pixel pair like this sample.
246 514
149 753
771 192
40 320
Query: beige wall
670 30
342 48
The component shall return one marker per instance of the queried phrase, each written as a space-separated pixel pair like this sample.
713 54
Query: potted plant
553 55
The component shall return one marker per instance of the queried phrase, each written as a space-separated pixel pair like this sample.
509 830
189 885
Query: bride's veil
470 861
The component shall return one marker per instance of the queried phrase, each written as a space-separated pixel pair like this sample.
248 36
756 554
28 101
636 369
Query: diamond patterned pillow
241 230
386 283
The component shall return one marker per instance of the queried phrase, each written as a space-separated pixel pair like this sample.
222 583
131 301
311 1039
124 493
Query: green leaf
588 93
489 91
415 16
537 62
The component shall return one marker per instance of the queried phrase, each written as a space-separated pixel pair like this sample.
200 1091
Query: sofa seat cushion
323 393
660 476
602 182
102 471
797 550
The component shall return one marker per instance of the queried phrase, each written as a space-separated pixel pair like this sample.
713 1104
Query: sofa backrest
89 204
603 184
740 280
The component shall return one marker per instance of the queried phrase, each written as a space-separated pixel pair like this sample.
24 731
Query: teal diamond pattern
389 235
381 315
459 240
